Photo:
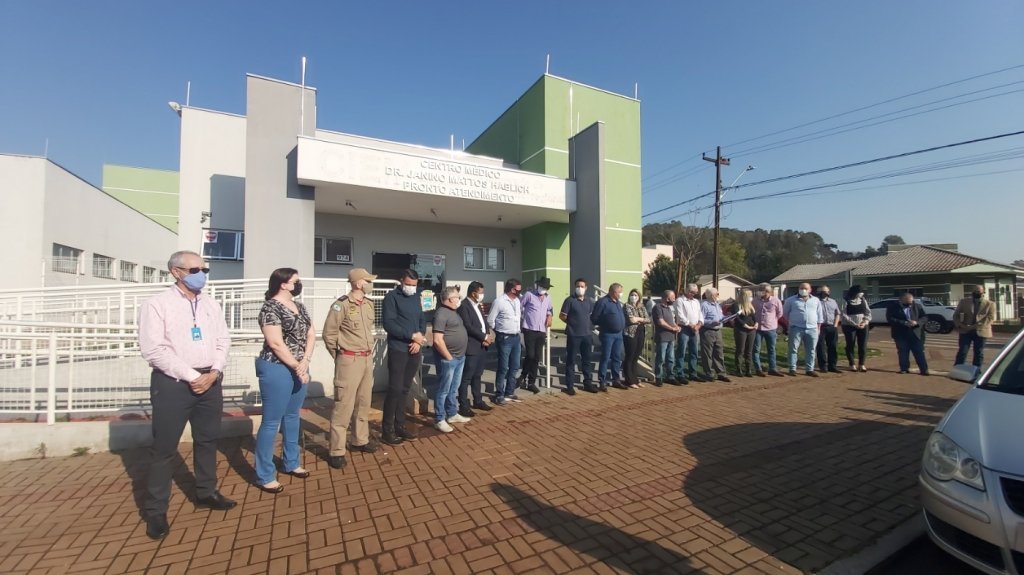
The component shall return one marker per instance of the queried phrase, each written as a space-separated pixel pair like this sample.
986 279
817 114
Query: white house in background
63 231
729 285
650 253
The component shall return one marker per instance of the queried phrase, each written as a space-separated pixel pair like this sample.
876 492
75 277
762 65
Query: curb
878 551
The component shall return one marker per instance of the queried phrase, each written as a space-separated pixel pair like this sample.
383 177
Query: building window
102 266
128 270
66 260
165 276
222 244
148 275
486 259
332 250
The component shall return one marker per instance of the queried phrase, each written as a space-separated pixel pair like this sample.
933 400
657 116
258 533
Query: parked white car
972 476
940 317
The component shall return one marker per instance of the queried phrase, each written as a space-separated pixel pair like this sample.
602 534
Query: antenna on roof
547 64
46 148
302 104
451 142
188 93
636 90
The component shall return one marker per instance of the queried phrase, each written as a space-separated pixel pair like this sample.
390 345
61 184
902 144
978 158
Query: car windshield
1008 376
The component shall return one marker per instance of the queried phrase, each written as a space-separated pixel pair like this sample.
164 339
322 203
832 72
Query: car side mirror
964 372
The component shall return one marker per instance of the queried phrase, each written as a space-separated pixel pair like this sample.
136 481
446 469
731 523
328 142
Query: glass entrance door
430 267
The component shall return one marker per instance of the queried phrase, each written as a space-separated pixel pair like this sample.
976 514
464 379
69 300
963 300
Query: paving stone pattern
777 475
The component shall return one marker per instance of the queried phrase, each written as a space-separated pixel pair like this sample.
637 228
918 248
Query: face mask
195 282
907 305
581 291
860 295
803 293
296 289
515 292
824 295
693 295
976 295
633 299
408 290
478 297
542 291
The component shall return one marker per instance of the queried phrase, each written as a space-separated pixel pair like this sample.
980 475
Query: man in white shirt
689 318
505 318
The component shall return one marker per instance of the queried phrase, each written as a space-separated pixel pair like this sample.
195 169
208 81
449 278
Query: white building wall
371 235
212 179
80 215
22 180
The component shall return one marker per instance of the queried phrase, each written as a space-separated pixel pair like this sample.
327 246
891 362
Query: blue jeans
578 346
283 393
611 357
966 340
688 342
449 376
808 336
770 336
664 358
509 351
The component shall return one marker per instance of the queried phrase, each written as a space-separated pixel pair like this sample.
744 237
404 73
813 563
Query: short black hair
410 274
578 280
474 286
511 283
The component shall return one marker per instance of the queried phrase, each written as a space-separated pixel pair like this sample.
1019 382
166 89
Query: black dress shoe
589 389
466 412
407 435
533 388
619 385
724 379
482 406
369 447
156 527
834 370
792 373
657 383
602 388
337 461
682 382
391 439
217 502
569 391
813 374
776 373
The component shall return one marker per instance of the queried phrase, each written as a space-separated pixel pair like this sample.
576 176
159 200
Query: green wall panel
151 192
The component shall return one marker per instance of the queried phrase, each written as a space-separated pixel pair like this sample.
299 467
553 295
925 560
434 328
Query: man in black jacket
476 351
906 319
405 325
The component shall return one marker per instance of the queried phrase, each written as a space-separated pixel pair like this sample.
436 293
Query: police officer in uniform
348 334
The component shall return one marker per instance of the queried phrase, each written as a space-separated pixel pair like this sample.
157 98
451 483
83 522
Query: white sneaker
443 427
459 419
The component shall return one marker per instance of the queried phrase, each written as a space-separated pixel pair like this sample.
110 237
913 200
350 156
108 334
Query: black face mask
976 295
823 295
297 289
907 304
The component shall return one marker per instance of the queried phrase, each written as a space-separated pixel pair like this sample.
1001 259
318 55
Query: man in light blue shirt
505 318
712 351
804 314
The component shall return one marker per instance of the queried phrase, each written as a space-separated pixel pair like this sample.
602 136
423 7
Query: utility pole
719 162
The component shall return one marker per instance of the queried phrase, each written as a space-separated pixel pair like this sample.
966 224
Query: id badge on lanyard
197 333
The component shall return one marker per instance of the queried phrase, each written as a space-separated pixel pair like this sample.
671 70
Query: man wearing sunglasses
183 336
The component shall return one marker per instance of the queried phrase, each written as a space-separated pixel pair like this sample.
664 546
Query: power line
680 163
687 174
836 130
881 159
876 104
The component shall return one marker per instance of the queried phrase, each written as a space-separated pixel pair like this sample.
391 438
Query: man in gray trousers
183 337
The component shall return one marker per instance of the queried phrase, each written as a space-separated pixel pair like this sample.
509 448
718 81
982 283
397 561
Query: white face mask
409 290
633 299
581 291
479 297
542 291
803 293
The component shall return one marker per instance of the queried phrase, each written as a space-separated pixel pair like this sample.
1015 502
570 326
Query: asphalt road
925 558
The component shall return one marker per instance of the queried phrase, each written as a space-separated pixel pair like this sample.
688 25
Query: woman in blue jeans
283 371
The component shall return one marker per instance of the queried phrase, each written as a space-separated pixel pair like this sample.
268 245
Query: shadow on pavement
615 548
809 493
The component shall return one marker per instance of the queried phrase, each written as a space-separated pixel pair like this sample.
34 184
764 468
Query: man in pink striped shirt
183 336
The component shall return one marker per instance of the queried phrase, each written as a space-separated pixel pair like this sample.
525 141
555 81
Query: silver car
972 476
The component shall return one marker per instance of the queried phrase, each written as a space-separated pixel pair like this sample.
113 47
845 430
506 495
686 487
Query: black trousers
174 405
634 345
744 350
856 337
534 341
471 373
402 369
826 353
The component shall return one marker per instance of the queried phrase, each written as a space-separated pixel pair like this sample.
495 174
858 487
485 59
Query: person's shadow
619 550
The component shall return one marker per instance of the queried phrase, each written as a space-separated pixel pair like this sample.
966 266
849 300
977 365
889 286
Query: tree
1019 263
660 276
890 240
688 244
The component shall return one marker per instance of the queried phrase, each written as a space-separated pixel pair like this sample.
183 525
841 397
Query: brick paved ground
763 476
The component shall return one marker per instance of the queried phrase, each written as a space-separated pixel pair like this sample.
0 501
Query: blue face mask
195 282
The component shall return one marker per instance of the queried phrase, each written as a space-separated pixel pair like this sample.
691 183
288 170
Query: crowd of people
184 338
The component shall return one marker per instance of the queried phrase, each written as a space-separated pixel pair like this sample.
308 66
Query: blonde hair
744 300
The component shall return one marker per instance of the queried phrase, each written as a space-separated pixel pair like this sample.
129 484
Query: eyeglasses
194 270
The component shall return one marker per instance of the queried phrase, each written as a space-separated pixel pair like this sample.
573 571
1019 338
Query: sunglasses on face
194 270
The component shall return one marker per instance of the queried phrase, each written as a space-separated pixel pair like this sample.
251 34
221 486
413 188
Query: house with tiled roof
942 275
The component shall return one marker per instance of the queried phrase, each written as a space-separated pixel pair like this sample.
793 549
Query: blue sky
94 79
